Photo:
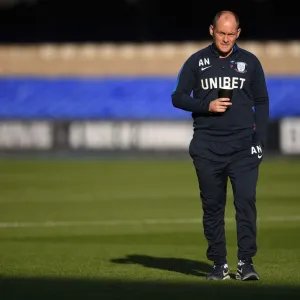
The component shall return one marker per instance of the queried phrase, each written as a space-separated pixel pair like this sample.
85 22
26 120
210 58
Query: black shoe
219 272
246 271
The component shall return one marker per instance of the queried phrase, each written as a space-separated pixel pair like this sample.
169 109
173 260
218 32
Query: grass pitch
133 230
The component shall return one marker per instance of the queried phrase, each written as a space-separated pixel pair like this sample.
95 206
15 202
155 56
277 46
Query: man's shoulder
205 51
200 54
248 54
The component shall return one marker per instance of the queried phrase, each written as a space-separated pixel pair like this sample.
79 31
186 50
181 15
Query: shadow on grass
12 288
179 265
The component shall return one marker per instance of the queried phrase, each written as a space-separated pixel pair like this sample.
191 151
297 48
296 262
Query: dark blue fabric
117 98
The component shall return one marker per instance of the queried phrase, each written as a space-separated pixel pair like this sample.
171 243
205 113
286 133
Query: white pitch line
291 218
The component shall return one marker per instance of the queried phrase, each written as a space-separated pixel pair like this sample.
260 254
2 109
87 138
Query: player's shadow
180 265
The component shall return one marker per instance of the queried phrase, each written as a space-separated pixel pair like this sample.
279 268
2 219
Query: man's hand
219 105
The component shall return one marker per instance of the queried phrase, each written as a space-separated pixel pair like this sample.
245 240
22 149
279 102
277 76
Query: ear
211 30
238 32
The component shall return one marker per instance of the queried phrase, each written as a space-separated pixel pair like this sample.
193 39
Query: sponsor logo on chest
223 81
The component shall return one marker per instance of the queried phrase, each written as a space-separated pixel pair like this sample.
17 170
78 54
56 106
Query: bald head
225 30
226 16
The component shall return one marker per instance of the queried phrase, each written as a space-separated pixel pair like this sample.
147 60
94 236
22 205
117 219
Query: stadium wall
108 97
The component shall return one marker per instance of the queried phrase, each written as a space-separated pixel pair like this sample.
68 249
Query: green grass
132 230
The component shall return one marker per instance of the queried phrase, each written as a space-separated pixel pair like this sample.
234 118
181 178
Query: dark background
27 21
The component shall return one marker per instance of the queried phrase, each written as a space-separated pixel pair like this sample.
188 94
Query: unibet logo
222 82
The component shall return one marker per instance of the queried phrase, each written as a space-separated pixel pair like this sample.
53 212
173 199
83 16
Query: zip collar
215 51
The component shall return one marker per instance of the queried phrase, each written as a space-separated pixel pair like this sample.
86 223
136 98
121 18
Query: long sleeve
181 97
261 103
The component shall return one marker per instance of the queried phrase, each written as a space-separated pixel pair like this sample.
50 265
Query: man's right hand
219 105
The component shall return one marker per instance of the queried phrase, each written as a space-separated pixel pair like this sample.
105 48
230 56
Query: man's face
225 34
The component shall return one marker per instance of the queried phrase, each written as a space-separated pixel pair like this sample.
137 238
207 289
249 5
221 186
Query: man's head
225 30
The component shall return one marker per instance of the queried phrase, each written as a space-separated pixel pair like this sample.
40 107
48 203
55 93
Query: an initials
203 62
255 150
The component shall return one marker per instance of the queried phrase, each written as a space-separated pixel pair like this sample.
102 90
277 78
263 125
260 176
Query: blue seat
116 98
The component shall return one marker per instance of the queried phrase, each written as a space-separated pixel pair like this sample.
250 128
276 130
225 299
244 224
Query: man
228 140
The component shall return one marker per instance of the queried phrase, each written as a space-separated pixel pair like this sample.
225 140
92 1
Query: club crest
239 66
